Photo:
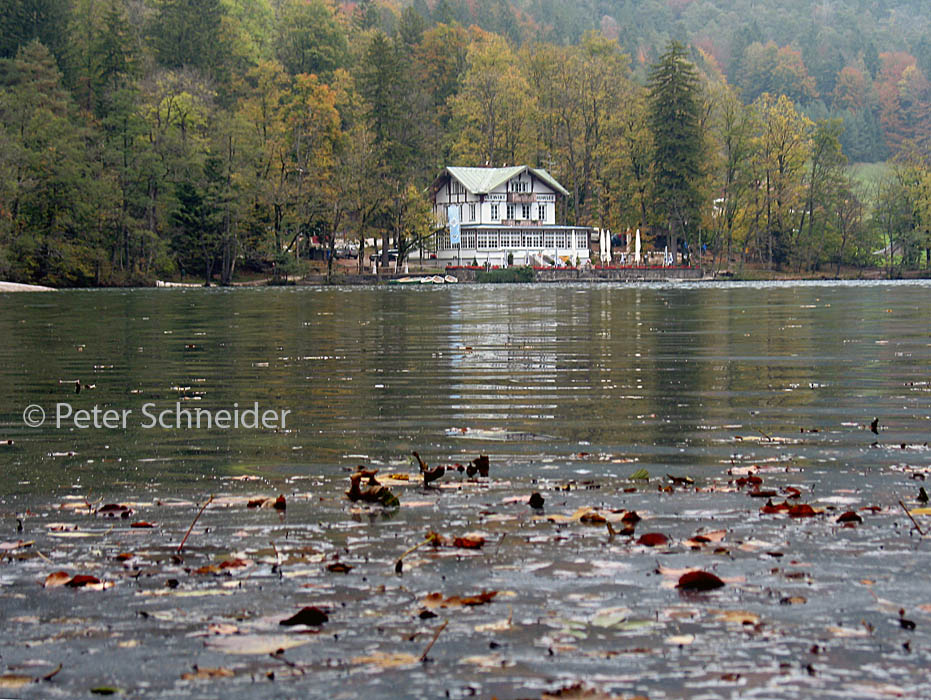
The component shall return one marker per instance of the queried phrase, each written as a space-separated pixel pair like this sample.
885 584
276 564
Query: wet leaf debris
466 584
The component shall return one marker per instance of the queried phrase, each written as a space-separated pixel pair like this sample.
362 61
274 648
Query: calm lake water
665 375
570 390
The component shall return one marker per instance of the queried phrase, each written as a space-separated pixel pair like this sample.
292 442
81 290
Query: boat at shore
429 279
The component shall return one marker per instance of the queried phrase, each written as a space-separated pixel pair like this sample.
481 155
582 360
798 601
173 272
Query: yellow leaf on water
255 643
680 639
383 660
741 617
14 680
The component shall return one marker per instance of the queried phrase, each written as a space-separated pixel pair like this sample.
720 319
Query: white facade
505 211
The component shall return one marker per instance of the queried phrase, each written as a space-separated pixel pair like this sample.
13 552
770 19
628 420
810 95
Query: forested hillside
154 138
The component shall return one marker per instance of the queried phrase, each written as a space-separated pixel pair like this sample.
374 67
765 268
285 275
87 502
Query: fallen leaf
207 673
111 510
469 542
256 502
383 660
680 639
82 580
141 524
437 600
849 517
653 539
309 615
741 617
339 568
280 503
12 681
263 644
699 581
59 578
802 510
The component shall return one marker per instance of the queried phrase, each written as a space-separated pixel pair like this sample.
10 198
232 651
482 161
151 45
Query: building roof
484 180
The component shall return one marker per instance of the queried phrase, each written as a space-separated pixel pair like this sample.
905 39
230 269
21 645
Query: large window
468 239
471 212
525 211
494 213
541 212
581 240
487 240
533 239
510 212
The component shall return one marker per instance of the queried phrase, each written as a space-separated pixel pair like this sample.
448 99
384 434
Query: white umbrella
607 246
637 248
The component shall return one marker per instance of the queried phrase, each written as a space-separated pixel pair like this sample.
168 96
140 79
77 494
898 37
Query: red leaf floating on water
653 539
256 502
630 517
280 503
82 580
802 510
469 542
339 568
699 581
141 523
771 508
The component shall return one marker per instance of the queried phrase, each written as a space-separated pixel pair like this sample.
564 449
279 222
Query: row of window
493 240
511 212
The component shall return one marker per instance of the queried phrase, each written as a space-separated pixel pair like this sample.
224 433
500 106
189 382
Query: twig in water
436 636
763 434
196 518
914 522
50 676
399 565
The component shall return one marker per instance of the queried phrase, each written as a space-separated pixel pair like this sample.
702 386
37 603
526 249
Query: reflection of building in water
506 216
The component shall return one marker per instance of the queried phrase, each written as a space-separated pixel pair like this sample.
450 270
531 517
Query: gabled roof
484 180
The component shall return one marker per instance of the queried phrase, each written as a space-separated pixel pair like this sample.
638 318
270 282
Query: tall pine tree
675 120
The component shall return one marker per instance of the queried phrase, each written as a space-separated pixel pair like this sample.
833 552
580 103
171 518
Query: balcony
521 198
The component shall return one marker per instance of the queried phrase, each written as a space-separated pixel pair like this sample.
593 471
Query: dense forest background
158 138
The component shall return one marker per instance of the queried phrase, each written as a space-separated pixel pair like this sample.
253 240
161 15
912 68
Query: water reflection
667 376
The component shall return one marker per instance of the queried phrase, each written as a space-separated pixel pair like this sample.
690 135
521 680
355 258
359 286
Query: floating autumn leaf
82 580
59 578
256 502
630 517
772 508
206 674
224 567
383 660
640 475
849 517
699 581
280 503
593 517
469 542
142 524
111 510
580 691
761 493
437 600
12 681
751 480
260 644
802 510
652 539
124 556
339 568
13 546
309 615
536 500
741 617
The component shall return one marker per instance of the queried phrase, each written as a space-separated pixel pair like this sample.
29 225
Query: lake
570 389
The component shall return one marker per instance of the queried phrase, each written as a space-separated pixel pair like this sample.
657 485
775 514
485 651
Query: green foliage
506 275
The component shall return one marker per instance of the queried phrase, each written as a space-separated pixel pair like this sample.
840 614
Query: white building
506 211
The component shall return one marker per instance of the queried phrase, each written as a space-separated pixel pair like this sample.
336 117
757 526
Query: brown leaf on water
18 544
383 660
630 517
849 517
593 517
469 542
772 508
699 581
438 600
124 556
280 503
310 615
751 480
256 502
12 681
653 539
536 500
339 568
112 510
206 674
82 580
142 524
802 510
59 578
